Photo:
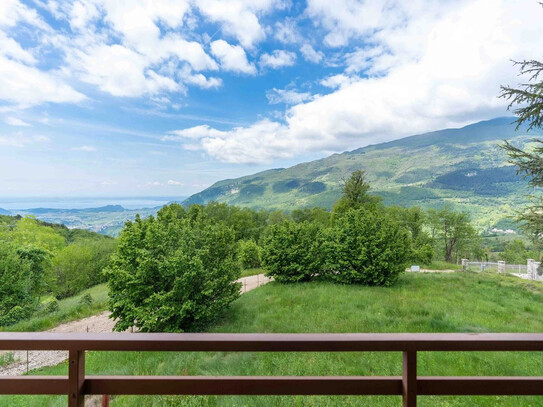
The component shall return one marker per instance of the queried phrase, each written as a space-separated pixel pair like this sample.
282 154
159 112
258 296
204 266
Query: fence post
76 378
535 267
530 268
464 264
501 266
409 379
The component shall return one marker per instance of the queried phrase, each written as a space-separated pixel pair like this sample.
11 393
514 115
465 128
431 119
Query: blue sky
140 98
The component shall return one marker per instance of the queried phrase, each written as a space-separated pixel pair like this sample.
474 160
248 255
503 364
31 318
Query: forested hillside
463 168
41 263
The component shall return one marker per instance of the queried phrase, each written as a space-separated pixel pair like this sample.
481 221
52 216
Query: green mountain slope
460 167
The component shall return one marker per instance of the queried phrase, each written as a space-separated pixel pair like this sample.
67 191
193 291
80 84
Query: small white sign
415 268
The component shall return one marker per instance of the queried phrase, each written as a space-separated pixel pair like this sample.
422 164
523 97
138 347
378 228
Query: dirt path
26 361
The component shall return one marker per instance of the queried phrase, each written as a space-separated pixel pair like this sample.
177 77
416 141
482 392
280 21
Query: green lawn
69 310
453 302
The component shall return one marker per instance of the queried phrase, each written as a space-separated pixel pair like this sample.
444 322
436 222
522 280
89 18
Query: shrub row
362 247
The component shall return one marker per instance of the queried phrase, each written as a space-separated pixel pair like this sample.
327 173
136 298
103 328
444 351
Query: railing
409 385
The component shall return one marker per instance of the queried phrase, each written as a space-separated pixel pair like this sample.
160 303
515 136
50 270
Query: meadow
425 302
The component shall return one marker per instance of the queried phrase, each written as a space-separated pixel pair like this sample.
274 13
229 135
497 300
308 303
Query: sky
165 97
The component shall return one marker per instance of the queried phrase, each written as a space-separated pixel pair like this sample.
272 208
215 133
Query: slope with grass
452 302
461 167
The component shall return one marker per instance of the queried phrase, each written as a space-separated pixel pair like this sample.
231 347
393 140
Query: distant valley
107 219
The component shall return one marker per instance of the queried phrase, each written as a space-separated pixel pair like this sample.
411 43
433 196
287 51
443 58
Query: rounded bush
365 247
250 254
291 252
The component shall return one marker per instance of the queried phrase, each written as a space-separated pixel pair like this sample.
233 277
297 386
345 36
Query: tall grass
452 302
70 309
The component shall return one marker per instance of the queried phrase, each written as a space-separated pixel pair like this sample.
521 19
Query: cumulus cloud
277 59
260 142
449 79
287 32
174 183
239 18
25 86
309 54
232 57
288 96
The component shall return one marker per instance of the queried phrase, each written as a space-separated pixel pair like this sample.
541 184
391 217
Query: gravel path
96 323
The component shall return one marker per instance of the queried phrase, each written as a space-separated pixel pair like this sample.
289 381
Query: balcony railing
409 385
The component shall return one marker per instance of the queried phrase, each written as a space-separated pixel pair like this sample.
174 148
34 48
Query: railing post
76 378
409 379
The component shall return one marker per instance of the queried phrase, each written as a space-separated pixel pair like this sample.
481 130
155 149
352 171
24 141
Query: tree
39 265
365 247
515 252
29 232
414 219
453 229
172 273
529 99
250 254
355 194
529 96
291 251
16 299
80 265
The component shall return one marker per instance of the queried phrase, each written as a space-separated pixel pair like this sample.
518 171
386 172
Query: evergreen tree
529 99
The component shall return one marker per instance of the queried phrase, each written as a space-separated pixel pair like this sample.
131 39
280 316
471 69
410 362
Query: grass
69 310
6 359
452 302
252 272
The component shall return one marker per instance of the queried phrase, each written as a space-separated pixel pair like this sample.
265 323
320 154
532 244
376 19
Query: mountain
463 168
4 212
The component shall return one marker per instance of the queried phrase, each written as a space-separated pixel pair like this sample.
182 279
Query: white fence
532 270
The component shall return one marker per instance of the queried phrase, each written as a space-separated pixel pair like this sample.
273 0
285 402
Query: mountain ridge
462 167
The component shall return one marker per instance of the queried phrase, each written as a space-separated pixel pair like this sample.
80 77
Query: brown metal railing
409 385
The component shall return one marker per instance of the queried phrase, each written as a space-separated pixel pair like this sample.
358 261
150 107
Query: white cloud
346 19
338 81
174 183
85 148
309 54
261 142
449 78
288 96
119 71
239 18
203 82
15 121
277 59
286 31
25 86
232 57
196 132
22 84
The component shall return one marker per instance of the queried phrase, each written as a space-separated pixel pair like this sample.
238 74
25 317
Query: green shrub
14 315
250 254
291 251
422 254
86 300
172 273
365 247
